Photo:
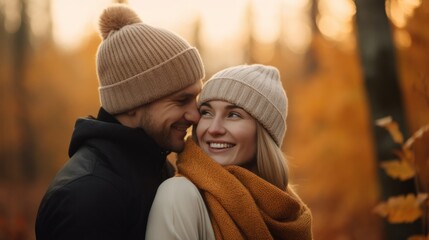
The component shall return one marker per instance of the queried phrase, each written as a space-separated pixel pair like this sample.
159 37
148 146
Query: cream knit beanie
255 88
138 63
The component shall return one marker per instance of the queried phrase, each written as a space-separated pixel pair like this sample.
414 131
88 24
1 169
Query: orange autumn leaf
402 209
392 127
398 169
406 154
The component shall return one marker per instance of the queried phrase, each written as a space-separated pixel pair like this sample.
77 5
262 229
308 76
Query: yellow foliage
402 209
406 154
398 169
392 127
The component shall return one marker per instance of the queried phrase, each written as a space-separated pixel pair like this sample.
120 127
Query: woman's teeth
220 145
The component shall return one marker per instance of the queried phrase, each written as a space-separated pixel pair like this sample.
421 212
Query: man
149 79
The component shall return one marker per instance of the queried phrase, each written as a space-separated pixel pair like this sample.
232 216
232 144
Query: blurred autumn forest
337 89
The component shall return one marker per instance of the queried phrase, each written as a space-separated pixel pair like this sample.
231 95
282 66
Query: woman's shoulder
179 181
179 212
178 184
178 190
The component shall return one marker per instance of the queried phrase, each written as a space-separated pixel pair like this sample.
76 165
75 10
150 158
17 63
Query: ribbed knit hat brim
255 88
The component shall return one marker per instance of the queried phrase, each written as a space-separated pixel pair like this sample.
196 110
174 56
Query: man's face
167 119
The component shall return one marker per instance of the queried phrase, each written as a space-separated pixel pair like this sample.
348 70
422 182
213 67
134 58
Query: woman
234 185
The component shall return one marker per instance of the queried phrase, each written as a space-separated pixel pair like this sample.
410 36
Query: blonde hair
270 160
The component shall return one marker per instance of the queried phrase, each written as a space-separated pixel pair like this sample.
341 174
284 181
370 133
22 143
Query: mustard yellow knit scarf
241 204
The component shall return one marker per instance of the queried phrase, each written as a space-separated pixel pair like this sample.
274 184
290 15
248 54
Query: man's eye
183 101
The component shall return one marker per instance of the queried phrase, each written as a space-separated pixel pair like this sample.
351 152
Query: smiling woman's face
227 134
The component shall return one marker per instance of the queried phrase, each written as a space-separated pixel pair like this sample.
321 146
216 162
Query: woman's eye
204 113
234 115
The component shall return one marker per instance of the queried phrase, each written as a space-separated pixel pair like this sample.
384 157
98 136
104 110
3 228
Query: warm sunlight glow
39 20
296 24
178 14
335 18
400 10
224 26
12 15
71 21
267 20
220 20
298 36
402 38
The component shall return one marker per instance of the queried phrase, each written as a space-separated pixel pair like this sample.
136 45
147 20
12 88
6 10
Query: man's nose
192 115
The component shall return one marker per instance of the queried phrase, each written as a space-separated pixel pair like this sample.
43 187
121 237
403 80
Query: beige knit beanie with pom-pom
138 63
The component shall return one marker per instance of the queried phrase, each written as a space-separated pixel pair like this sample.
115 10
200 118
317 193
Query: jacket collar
129 151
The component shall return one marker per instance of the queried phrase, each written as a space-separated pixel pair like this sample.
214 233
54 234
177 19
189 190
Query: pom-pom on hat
255 88
138 64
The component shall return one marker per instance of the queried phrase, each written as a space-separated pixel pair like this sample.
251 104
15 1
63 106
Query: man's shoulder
85 170
81 164
81 197
85 201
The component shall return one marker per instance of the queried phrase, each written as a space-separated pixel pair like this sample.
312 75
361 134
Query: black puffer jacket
106 189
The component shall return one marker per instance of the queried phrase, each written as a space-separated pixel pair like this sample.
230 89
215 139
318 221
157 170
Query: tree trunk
378 61
27 144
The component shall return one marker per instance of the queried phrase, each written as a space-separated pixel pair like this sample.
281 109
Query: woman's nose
216 127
